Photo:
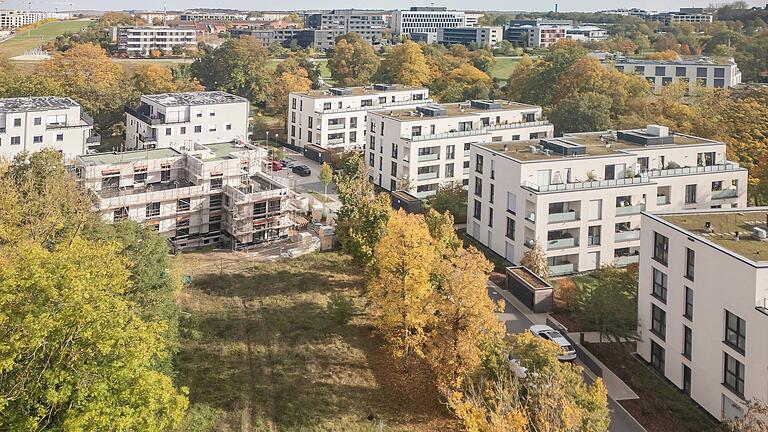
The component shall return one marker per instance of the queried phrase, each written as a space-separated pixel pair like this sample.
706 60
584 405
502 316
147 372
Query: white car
550 334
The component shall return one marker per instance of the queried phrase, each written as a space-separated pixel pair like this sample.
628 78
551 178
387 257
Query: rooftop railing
376 106
480 131
585 185
727 166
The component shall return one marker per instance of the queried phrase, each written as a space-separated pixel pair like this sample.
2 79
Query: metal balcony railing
585 185
479 131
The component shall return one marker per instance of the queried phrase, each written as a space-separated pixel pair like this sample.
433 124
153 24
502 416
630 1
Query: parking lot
299 183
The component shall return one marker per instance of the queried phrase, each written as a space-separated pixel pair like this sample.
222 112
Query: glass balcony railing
429 157
627 235
427 176
727 166
630 210
336 126
662 200
561 243
561 187
725 193
623 261
563 217
561 269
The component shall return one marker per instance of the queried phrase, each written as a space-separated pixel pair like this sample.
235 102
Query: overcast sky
564 5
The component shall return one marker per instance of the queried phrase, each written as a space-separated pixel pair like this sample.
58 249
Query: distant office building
687 15
472 18
635 12
142 40
479 36
586 33
13 19
152 16
211 16
704 72
426 20
369 25
538 33
31 124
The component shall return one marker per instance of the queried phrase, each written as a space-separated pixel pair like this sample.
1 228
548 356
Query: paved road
517 322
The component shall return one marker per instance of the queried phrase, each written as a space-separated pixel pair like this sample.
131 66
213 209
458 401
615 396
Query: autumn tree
442 231
154 79
298 62
585 112
353 61
400 288
753 420
285 83
535 259
405 64
325 176
463 83
239 66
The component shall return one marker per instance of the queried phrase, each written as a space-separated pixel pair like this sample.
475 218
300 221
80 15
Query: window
416 131
293 103
719 72
687 380
183 130
199 113
392 185
690 259
15 140
37 139
38 121
478 186
352 123
733 374
665 81
449 170
260 208
17 122
182 204
121 214
366 102
688 307
59 137
690 194
490 217
215 201
450 152
478 210
510 228
353 137
212 113
657 357
217 183
659 285
212 128
680 71
735 332
479 164
491 193
701 72
660 248
167 131
326 105
228 126
165 173
139 175
717 186
393 171
593 235
658 321
660 70
153 209
687 342
198 129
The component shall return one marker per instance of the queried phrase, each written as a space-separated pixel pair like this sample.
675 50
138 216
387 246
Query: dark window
735 332
153 209
719 83
479 164
17 122
38 121
690 259
687 342
719 72
733 375
37 139
688 310
478 186
680 71
658 321
657 357
660 248
478 210
666 81
182 204
217 183
701 72
690 194
659 285
640 69
687 380
510 228
490 217
661 70
393 170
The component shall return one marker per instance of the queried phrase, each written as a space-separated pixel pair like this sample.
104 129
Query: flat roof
194 98
225 150
724 225
358 91
38 103
456 109
594 143
118 158
688 62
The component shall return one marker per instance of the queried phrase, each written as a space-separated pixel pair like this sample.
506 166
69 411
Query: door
544 177
593 258
509 252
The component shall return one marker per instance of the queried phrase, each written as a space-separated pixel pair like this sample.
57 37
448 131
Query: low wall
538 299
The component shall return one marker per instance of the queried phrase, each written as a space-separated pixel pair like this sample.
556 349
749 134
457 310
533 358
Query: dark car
302 170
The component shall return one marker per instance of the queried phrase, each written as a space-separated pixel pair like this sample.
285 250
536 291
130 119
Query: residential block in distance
336 118
426 20
418 150
142 40
33 123
581 195
703 304
479 36
174 119
199 195
705 72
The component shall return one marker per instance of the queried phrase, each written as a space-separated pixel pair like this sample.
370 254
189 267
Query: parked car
302 170
550 334
287 163
276 165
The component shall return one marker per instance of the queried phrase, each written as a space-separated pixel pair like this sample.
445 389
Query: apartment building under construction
197 195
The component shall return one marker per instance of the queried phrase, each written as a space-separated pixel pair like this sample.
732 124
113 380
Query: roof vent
384 87
336 91
657 131
431 110
485 104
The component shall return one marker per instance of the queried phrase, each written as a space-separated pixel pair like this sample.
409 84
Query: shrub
340 308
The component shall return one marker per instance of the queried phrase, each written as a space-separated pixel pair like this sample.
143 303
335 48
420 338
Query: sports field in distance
26 41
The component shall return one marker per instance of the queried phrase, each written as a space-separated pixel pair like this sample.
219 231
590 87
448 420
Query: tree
76 355
668 54
584 112
298 62
325 176
353 61
239 66
609 304
483 60
450 197
463 83
280 89
535 259
753 420
401 288
442 231
153 79
405 64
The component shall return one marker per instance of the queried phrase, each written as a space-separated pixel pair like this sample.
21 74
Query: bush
565 293
340 308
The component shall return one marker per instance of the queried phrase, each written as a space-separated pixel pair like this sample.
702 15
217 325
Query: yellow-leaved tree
401 288
405 64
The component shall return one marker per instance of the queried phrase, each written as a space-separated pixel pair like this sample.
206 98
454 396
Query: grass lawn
26 41
504 67
661 407
262 353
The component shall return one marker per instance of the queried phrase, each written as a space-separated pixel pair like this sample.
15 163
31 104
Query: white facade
472 18
34 123
336 118
178 119
211 16
580 196
12 19
419 150
586 33
702 305
150 17
703 72
141 40
425 20
199 196
480 36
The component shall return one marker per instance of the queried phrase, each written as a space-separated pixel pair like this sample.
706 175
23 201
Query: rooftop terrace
42 103
194 98
226 150
723 228
119 158
358 91
459 109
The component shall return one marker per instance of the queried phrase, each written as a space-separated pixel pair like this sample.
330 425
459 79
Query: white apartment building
211 16
580 196
31 124
426 20
173 119
704 72
586 33
703 304
479 36
472 18
141 40
370 25
417 150
214 194
336 118
13 19
162 16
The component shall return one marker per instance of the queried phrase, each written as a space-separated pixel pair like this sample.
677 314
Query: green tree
452 198
239 66
584 112
353 61
325 176
608 304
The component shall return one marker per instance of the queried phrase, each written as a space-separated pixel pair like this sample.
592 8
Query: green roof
118 158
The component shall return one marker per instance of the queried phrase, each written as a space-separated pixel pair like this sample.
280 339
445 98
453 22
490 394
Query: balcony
563 217
762 306
427 176
562 243
335 141
562 187
147 139
143 117
627 235
530 217
375 107
93 140
480 131
624 261
85 121
336 126
725 193
662 200
429 157
561 269
630 210
727 166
